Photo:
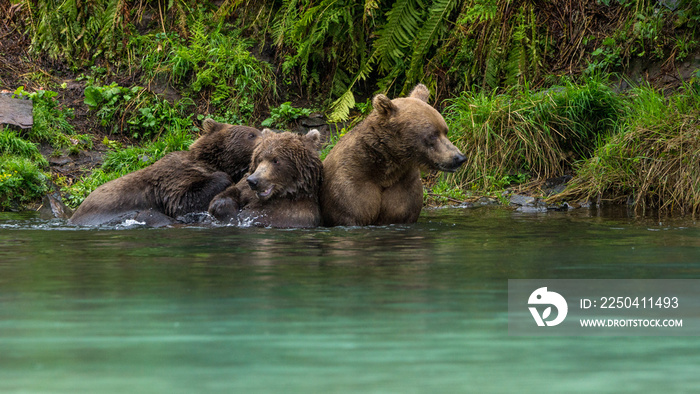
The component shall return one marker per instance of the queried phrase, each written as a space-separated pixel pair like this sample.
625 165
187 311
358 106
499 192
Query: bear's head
226 147
286 165
418 133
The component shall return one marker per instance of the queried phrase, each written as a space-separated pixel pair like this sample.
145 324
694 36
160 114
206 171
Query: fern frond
284 20
340 109
437 16
402 24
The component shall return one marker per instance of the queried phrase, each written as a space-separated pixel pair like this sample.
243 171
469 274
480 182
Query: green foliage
21 181
78 31
334 138
340 109
136 111
82 32
427 37
689 14
79 190
495 45
341 42
653 162
443 192
498 182
109 100
323 37
403 21
50 118
12 144
281 116
214 64
526 132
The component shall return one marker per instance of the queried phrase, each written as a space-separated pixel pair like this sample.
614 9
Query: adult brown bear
179 183
282 190
372 175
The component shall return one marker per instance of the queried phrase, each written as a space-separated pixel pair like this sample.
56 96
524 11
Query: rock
564 206
16 112
556 185
519 199
196 218
487 201
314 120
531 209
59 161
52 207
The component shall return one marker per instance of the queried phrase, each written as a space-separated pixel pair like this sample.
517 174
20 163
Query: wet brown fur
288 166
372 175
179 183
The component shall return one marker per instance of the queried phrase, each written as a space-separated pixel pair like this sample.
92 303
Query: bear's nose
253 182
458 160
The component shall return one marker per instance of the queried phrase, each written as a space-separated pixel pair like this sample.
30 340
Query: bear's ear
313 139
266 133
420 92
383 105
210 125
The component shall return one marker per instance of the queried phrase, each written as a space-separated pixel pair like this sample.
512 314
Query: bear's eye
251 136
275 161
431 141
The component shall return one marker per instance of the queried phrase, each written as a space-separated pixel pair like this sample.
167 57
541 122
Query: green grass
443 193
13 145
521 131
22 181
654 162
215 64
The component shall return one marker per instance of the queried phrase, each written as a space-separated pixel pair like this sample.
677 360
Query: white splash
131 222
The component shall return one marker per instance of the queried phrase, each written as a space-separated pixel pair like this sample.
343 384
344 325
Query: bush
21 181
212 64
281 116
137 112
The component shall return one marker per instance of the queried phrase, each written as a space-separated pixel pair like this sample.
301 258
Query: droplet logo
543 297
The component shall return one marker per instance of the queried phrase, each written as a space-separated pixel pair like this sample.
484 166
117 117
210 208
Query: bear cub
179 183
372 175
282 187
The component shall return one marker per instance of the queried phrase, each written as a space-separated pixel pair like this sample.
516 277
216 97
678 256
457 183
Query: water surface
415 308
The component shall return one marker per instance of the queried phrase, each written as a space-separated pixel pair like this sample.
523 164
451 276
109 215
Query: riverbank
603 115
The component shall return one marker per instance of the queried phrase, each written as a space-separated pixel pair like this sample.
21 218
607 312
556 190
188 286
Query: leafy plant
50 118
444 192
21 181
137 111
109 100
281 116
214 65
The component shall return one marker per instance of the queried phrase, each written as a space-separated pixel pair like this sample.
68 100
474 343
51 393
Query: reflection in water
377 309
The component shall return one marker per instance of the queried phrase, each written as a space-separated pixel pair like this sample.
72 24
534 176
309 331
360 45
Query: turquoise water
396 309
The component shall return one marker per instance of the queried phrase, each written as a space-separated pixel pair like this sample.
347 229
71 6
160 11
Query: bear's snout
452 162
262 187
253 182
458 160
